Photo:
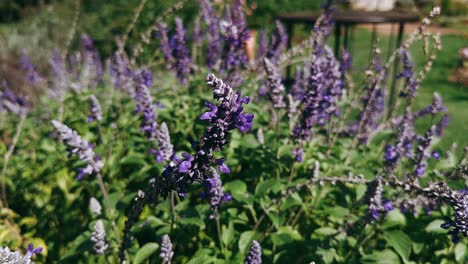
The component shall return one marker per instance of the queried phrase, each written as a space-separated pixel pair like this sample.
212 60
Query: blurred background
38 27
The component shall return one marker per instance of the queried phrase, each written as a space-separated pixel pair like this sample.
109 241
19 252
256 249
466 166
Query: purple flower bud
435 155
388 206
33 250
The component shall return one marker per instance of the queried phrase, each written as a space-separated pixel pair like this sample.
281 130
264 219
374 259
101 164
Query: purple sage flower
166 253
182 60
255 254
79 147
96 112
28 67
274 85
440 127
213 35
98 237
145 104
32 250
279 42
214 191
423 152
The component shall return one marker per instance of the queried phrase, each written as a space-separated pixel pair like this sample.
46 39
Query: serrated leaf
145 252
400 242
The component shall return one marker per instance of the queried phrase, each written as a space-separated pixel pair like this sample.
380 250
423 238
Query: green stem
218 229
173 212
6 158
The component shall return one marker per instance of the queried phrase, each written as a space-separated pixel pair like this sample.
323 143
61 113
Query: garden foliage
205 153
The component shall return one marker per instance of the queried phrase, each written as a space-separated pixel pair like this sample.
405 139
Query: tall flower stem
104 191
218 230
6 158
173 212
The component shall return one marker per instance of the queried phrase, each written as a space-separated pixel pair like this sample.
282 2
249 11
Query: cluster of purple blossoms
213 34
320 85
274 86
98 237
235 32
255 254
96 112
175 50
403 144
121 74
224 116
28 67
279 42
150 127
92 71
165 149
373 102
59 75
12 103
411 82
144 103
459 202
440 127
423 152
79 147
376 204
15 257
411 204
167 252
436 107
323 90
214 190
182 61
164 44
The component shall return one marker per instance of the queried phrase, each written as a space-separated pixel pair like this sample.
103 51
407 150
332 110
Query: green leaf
245 240
197 221
145 252
394 218
133 159
400 242
290 201
460 253
200 260
267 186
384 257
325 231
285 235
237 188
228 234
434 227
328 255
